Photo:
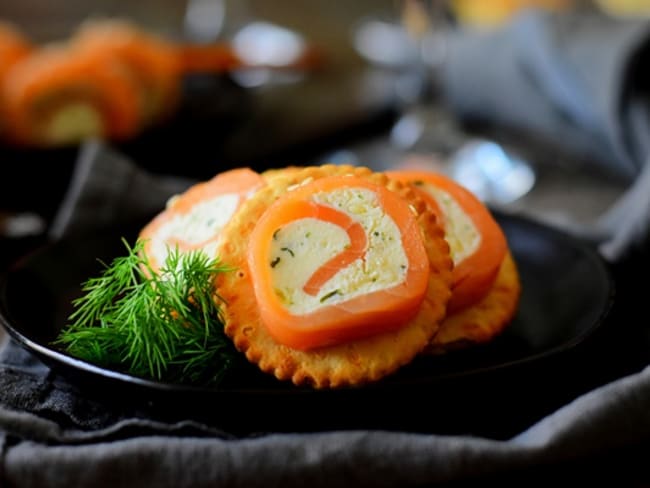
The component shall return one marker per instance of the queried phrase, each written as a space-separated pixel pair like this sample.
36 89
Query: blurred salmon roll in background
14 46
111 79
149 59
58 96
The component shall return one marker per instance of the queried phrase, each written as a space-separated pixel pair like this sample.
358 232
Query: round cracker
348 364
286 171
481 322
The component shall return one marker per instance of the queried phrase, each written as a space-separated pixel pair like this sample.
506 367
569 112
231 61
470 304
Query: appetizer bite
486 288
150 61
111 79
157 64
56 97
323 276
14 46
342 276
194 219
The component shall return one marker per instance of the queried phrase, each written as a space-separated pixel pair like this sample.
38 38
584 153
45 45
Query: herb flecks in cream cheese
306 244
460 231
197 228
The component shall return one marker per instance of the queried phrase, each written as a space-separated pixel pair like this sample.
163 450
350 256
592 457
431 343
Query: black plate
567 293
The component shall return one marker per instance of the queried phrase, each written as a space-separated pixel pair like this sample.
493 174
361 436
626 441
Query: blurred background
190 88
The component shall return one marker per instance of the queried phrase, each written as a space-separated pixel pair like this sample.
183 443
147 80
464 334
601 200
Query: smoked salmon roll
14 46
151 61
335 283
194 220
484 320
485 287
57 97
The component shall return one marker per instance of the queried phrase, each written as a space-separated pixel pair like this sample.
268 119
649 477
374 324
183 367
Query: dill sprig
162 325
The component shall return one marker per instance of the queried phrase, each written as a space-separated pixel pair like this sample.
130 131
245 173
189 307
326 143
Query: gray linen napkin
50 436
574 82
117 449
105 187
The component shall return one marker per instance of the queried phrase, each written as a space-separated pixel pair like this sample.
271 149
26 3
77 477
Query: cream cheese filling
199 228
301 247
460 231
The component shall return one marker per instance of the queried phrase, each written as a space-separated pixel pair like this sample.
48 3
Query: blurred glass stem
485 167
204 20
427 23
416 18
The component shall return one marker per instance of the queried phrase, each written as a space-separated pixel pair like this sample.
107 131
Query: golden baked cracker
348 364
484 320
273 173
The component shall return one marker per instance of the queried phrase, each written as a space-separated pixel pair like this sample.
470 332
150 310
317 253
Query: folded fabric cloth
51 435
105 188
575 82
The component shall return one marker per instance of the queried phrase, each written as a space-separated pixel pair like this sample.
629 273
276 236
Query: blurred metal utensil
267 52
494 175
270 53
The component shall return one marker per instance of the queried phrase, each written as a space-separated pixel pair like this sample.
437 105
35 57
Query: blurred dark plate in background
219 125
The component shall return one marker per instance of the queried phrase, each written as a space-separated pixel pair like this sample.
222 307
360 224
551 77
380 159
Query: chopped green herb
275 262
161 325
286 249
329 295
